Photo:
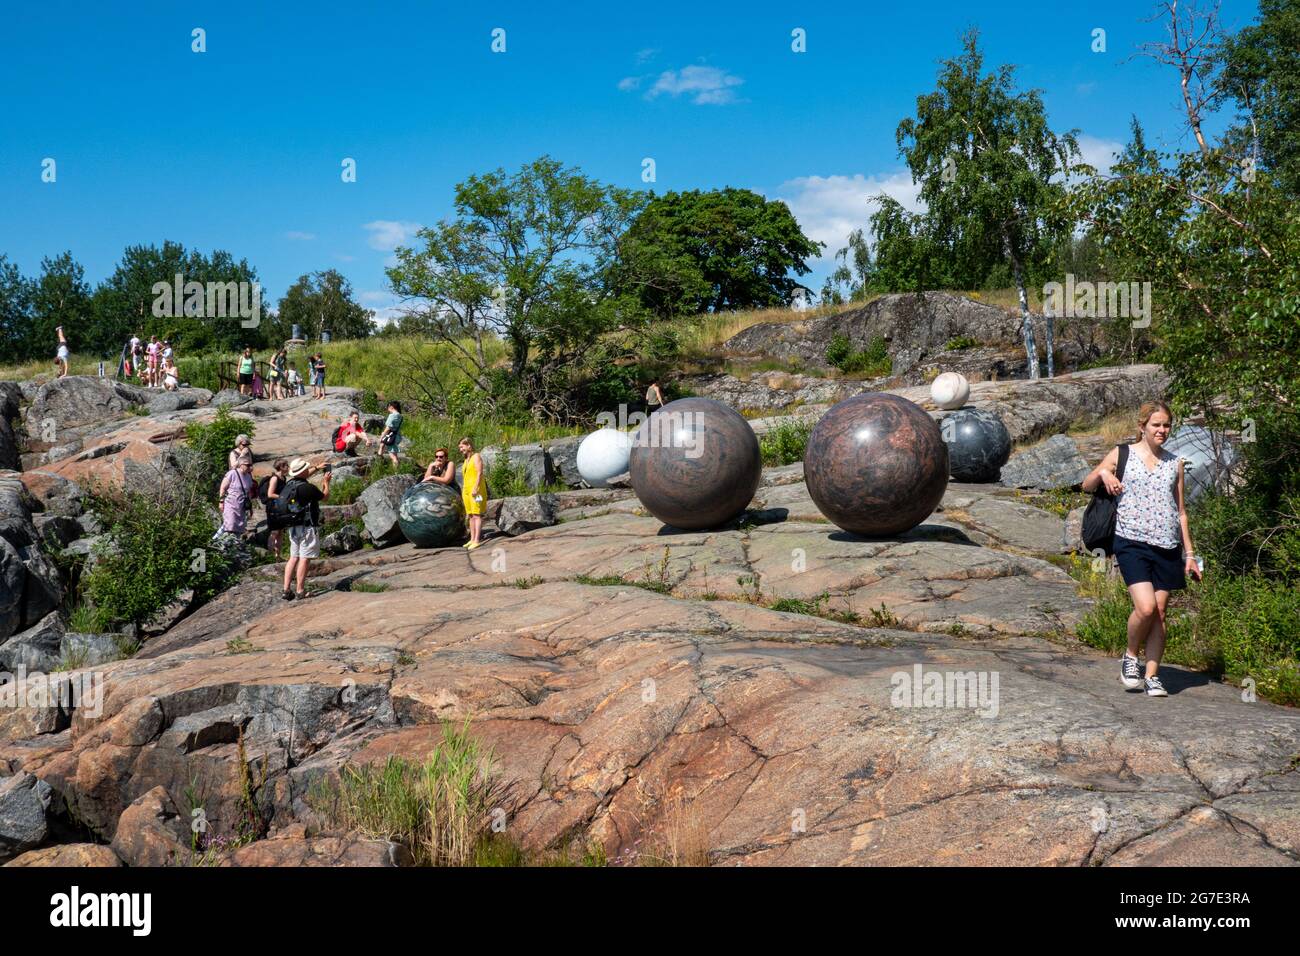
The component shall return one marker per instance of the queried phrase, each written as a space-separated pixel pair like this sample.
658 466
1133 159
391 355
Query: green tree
60 297
692 252
1261 73
15 308
525 258
323 301
990 171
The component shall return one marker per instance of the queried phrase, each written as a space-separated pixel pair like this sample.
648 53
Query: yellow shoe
473 544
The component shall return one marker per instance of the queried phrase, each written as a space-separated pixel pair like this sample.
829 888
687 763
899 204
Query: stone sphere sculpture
431 515
876 464
978 444
950 390
603 455
695 464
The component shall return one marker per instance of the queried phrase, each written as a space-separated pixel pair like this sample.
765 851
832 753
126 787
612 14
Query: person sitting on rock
350 434
441 471
236 497
171 377
473 492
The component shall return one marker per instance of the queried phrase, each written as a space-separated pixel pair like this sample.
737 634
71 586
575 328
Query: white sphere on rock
950 390
603 455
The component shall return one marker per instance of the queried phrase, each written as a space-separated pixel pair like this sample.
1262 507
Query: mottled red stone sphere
695 464
876 464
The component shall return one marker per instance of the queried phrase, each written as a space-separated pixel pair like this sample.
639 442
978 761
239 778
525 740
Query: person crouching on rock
304 542
351 433
1150 524
236 497
441 471
474 492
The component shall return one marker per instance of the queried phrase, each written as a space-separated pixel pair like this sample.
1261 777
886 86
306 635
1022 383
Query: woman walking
1150 526
473 492
243 451
274 485
236 497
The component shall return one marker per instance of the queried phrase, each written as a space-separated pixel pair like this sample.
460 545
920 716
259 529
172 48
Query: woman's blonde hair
466 441
1147 410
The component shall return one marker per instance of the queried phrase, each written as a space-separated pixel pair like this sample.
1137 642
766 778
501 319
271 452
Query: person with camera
297 507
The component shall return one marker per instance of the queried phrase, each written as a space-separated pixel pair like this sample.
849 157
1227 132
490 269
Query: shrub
873 361
785 444
213 441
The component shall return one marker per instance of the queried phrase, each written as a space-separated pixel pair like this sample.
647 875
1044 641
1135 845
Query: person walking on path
1150 526
274 485
61 355
654 398
473 492
277 373
391 437
246 368
236 497
304 540
243 451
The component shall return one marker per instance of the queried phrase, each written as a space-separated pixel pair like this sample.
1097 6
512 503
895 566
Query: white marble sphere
603 455
950 390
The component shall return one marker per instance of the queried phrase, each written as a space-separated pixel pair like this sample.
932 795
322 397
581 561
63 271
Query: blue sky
241 147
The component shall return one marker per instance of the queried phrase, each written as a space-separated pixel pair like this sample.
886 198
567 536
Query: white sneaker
1155 688
1129 674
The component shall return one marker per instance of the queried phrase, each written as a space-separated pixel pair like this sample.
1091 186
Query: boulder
89 650
170 614
9 455
56 532
1074 530
39 648
150 832
76 402
532 460
42 587
381 501
343 541
518 515
1053 464
68 854
24 802
229 396
54 493
11 397
296 850
563 453
1210 458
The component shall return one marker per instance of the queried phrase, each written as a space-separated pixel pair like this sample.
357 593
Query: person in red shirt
350 434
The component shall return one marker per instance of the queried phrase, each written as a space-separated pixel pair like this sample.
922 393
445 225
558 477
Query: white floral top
1148 506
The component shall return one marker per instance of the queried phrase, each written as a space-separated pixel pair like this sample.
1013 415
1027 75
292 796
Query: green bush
161 546
960 342
785 444
214 441
873 361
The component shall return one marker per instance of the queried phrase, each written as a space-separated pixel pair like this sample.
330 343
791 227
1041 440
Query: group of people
282 377
153 363
239 492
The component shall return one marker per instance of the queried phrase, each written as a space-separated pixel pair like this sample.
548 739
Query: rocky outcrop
24 802
1052 464
917 330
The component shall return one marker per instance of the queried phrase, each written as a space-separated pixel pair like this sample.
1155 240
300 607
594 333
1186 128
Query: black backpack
288 510
263 489
1099 518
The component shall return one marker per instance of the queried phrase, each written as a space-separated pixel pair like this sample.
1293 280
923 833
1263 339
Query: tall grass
441 810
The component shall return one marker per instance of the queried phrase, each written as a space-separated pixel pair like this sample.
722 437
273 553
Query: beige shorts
303 542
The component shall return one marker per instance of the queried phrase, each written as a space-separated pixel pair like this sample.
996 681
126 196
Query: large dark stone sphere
978 444
695 464
876 464
431 515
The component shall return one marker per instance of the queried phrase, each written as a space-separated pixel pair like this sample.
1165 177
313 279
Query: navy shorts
1139 561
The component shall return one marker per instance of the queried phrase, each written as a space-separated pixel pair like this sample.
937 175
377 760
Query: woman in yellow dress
473 491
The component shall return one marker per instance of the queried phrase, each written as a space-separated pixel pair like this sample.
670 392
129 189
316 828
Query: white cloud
828 208
383 304
344 257
300 236
646 54
705 85
386 235
629 83
1099 153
